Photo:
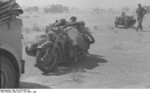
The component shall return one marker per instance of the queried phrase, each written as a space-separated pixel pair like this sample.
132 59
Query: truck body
11 58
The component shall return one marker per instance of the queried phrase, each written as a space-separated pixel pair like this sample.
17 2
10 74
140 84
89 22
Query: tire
127 24
8 74
91 38
116 25
83 55
44 65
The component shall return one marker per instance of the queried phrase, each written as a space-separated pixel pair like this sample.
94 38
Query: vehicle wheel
92 39
84 55
116 25
8 74
47 59
127 25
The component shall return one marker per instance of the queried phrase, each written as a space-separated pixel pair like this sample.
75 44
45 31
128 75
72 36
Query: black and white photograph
74 44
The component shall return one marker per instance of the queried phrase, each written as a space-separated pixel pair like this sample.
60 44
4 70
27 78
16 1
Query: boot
75 54
71 54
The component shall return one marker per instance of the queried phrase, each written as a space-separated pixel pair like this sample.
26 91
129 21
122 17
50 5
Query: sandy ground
120 58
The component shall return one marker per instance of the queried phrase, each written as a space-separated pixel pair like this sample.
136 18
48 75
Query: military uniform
140 14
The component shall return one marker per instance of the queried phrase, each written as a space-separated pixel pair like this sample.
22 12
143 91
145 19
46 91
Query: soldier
78 36
73 19
123 15
140 14
73 48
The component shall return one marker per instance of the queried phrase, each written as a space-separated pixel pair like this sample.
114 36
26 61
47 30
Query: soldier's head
73 19
56 21
123 14
61 22
139 5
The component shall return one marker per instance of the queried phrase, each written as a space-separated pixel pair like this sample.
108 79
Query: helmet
122 13
61 22
73 18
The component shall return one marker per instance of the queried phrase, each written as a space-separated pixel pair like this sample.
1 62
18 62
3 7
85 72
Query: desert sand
120 58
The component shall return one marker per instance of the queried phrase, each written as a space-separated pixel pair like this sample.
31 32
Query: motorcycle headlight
30 50
51 36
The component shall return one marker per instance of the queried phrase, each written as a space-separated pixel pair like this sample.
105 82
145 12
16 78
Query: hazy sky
86 3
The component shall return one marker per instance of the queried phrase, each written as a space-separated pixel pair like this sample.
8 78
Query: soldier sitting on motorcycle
80 26
123 15
75 33
73 45
57 27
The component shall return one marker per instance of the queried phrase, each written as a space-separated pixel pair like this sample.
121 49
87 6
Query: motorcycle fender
49 42
41 46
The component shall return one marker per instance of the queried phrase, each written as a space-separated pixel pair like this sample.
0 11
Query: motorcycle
55 50
126 22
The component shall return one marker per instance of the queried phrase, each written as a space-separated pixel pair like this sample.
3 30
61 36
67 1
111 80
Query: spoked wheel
48 58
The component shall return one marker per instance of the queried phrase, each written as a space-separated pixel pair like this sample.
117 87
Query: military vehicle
126 22
11 60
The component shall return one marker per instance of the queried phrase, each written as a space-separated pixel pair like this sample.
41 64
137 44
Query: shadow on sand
133 27
88 63
33 85
121 27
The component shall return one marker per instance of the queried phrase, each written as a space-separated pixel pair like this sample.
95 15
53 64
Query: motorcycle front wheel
47 58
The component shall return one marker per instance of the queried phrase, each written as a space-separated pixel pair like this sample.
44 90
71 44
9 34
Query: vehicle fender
49 42
45 43
9 49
